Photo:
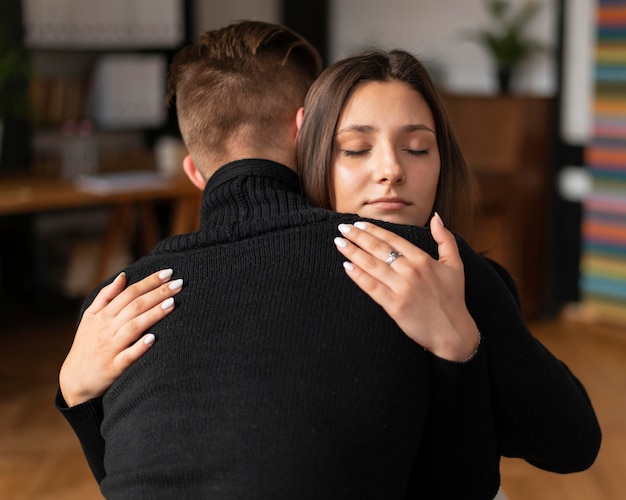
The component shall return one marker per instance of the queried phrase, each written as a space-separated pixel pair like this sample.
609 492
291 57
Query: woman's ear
299 119
195 176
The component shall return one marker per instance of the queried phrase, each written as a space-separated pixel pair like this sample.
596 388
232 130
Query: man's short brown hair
245 80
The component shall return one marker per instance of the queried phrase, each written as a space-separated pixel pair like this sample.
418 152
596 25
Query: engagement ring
393 255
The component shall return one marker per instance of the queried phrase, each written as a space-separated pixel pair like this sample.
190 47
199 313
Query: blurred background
90 157
89 100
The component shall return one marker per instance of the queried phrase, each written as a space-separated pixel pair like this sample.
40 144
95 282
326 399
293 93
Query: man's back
275 377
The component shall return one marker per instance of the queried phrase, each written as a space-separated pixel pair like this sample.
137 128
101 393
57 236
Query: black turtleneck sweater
276 378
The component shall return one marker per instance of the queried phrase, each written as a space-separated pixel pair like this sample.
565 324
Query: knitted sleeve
542 413
85 420
459 453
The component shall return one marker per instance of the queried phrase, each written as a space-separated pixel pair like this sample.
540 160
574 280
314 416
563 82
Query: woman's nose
388 168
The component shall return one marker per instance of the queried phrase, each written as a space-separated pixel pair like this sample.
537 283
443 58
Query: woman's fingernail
348 266
344 228
119 276
166 274
360 225
438 217
167 303
176 284
149 339
340 242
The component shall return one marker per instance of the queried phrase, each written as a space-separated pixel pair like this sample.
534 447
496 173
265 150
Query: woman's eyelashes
416 152
354 152
363 152
415 143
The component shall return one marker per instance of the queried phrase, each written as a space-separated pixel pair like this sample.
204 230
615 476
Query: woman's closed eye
355 152
417 152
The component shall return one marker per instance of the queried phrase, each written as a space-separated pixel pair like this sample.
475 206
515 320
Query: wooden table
32 195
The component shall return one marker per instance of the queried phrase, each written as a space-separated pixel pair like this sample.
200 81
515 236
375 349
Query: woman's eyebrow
370 128
417 126
356 128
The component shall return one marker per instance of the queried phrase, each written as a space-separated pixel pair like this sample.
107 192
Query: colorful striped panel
603 230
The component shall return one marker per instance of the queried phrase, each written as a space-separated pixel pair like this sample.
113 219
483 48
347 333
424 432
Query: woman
375 141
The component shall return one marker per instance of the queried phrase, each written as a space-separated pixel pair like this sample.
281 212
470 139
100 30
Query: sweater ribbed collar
252 189
254 167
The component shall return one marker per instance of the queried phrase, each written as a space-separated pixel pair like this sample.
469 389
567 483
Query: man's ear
195 176
299 119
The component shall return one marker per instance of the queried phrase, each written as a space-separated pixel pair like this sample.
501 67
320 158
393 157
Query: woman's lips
388 203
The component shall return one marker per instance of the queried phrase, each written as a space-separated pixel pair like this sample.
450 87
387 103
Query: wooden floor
41 459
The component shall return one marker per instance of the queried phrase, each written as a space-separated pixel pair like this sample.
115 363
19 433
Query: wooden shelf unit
507 142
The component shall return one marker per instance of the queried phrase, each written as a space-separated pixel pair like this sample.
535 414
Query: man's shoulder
418 235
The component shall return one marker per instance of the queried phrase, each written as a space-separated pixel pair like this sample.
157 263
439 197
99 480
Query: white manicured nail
149 339
176 284
348 266
438 217
340 242
360 225
167 303
344 228
119 276
166 274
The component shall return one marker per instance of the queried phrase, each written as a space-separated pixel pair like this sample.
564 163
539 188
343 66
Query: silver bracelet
480 338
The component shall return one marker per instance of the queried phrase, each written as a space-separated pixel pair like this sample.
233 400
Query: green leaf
505 40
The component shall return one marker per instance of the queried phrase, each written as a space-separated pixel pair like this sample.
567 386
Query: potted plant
505 40
14 68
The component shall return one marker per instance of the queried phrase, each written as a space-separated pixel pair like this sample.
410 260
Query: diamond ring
393 255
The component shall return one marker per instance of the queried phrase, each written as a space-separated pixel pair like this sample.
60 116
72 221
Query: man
275 377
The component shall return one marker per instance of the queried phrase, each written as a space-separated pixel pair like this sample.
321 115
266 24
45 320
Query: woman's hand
424 296
108 339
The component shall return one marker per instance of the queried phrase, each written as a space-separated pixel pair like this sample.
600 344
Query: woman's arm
458 456
110 337
541 411
85 420
510 284
426 297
